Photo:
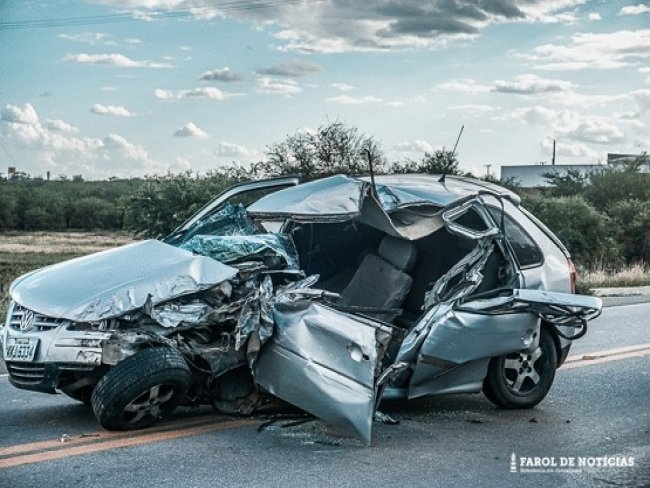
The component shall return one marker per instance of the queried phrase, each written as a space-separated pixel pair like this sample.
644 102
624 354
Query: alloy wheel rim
523 370
150 403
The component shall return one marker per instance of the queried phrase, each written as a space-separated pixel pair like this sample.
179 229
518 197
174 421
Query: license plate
20 349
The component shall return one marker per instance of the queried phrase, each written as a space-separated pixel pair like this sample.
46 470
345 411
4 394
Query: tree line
603 218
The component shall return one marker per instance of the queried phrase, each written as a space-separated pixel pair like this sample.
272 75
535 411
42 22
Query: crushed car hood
114 282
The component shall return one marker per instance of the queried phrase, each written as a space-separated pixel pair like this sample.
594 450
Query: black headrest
400 253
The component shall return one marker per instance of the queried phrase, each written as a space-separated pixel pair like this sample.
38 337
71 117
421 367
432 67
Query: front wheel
522 379
142 389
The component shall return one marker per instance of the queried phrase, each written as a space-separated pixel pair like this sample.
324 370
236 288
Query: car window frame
523 230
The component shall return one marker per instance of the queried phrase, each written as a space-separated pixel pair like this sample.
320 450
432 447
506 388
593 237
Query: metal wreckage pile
232 298
219 328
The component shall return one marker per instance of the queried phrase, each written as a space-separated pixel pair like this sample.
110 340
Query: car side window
524 247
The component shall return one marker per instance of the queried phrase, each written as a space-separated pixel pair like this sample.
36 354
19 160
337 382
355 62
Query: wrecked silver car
330 295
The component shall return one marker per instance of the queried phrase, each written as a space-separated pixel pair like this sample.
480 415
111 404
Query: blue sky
134 87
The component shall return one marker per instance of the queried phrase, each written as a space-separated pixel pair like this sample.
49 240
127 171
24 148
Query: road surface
598 407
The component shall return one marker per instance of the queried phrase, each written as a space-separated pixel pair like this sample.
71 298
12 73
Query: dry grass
635 275
57 242
26 251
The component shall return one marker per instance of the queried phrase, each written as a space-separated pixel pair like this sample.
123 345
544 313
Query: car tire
522 379
141 389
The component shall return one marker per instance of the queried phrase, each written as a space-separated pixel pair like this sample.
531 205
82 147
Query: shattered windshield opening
230 236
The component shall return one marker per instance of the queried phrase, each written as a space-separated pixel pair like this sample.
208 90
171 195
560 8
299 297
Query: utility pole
553 159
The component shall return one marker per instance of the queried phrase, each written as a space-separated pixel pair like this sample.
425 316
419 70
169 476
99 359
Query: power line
158 14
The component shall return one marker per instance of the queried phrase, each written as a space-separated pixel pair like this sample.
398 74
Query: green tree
162 203
618 183
438 162
573 182
332 149
631 223
587 233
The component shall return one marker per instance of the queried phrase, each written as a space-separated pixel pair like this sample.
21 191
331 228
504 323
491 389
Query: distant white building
532 175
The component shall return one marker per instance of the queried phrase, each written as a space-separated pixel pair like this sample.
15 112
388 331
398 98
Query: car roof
430 189
342 195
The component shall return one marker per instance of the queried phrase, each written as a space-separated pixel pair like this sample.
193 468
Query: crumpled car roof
343 196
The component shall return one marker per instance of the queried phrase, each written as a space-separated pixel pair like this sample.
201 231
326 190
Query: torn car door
498 323
325 362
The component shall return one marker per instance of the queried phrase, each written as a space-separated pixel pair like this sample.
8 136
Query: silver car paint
327 361
114 282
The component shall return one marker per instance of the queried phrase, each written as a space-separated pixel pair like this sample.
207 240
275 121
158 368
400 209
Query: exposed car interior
385 274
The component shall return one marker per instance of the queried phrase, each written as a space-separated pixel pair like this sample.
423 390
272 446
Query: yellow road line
605 356
88 438
79 450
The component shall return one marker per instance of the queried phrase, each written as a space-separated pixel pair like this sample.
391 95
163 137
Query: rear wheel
141 390
522 379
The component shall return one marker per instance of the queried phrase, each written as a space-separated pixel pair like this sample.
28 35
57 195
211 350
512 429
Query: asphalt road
597 407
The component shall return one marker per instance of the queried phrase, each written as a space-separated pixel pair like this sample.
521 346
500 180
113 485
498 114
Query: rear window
524 247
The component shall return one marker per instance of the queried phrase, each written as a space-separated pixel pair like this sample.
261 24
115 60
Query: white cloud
161 94
210 92
127 149
417 99
572 125
223 74
466 85
348 100
108 88
60 125
118 60
329 27
635 9
293 69
642 100
91 38
474 109
570 150
344 87
116 110
190 130
181 165
23 126
593 51
56 145
574 99
18 115
226 149
417 146
594 16
528 84
266 84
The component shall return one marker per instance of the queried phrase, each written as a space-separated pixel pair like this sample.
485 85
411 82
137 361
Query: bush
613 185
631 223
587 233
162 203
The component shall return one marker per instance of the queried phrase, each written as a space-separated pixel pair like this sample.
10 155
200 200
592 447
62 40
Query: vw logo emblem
27 321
